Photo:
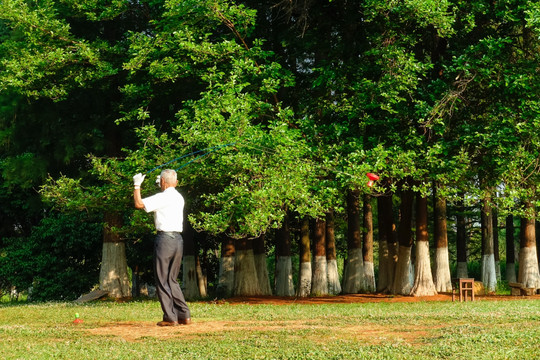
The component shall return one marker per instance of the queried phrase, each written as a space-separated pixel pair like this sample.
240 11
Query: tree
190 283
246 280
259 252
496 244
528 274
266 113
442 277
353 280
225 287
304 272
367 246
510 250
334 285
489 276
402 284
423 280
234 96
283 272
461 242
63 60
319 283
500 121
59 260
387 244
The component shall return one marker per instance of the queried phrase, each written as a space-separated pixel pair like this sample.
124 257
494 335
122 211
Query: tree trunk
189 266
284 275
461 240
538 242
443 279
528 274
367 248
489 276
261 265
225 285
382 283
496 244
246 281
334 285
113 276
387 244
423 280
304 276
510 250
135 282
353 275
202 283
319 282
402 284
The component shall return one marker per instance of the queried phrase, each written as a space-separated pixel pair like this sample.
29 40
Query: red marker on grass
77 319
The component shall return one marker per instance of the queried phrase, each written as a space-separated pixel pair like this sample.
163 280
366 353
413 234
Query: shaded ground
361 298
139 331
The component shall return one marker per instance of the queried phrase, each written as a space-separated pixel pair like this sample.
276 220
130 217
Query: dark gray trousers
168 251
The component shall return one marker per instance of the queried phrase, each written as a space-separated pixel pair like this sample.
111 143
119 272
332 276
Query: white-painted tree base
304 279
113 275
369 277
334 285
461 270
402 282
528 268
246 281
353 277
423 279
443 279
262 274
225 287
284 277
489 275
190 286
319 282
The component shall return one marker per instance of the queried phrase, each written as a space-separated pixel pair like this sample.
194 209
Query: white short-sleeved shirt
168 209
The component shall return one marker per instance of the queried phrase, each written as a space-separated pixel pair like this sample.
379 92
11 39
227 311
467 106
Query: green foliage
282 107
59 260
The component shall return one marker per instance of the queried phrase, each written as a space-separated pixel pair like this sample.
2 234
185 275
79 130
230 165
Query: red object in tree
372 178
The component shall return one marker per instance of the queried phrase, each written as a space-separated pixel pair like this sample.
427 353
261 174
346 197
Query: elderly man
168 207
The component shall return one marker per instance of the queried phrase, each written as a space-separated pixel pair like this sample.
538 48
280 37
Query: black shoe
184 321
167 323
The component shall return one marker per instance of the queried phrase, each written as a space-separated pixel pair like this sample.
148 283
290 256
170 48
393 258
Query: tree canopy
264 107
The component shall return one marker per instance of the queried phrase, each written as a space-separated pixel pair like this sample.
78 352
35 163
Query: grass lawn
417 330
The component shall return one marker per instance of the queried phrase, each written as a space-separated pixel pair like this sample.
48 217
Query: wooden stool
465 286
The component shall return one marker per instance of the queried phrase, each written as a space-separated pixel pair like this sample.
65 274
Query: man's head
168 179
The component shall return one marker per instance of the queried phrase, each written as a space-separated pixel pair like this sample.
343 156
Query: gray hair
169 176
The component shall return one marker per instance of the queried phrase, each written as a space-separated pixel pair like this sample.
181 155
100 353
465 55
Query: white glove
138 179
158 179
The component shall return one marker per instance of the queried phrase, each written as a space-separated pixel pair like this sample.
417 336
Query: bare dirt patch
367 333
370 333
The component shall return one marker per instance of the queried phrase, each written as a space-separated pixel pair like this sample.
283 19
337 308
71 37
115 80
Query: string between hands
210 150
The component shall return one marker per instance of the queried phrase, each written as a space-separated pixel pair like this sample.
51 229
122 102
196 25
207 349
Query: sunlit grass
416 330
